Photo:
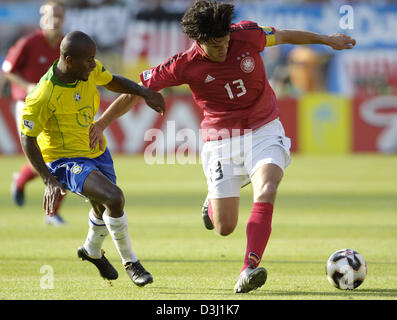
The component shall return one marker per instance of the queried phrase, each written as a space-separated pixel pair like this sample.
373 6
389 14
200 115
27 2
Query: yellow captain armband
270 36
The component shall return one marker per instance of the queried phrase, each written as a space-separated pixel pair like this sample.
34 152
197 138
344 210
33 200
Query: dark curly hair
207 19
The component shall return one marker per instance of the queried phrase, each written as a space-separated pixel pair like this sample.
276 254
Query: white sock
118 228
97 232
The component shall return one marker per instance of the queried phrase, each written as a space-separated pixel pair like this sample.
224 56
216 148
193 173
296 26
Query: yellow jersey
60 114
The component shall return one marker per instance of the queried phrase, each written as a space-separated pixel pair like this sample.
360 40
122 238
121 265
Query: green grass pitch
325 203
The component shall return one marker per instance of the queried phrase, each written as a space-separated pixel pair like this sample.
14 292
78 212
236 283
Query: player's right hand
340 41
52 194
96 136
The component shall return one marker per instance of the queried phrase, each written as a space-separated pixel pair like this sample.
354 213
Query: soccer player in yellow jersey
55 139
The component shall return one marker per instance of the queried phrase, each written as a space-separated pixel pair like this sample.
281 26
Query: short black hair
75 44
207 19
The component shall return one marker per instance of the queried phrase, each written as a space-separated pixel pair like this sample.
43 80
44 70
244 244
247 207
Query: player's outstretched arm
119 107
53 189
337 41
123 85
132 93
12 77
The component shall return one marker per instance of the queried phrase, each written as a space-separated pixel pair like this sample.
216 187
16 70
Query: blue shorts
72 172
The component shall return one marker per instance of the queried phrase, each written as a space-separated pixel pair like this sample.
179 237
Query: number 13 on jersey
238 86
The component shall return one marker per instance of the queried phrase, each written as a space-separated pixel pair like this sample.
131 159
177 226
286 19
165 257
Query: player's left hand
96 136
340 41
155 101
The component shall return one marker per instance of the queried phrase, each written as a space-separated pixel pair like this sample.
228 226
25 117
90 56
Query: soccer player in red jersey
26 62
244 139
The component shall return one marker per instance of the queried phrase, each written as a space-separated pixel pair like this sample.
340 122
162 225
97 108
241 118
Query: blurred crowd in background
133 35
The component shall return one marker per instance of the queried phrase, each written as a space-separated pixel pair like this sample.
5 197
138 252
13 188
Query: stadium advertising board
316 123
373 25
375 123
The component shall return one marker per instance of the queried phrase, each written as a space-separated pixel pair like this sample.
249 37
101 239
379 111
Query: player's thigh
269 145
104 163
224 175
225 214
225 198
225 195
97 187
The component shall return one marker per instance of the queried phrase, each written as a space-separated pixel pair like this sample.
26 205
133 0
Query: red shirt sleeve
15 56
250 31
167 74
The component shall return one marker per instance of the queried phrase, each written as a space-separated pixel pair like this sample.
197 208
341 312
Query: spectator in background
159 10
26 62
89 3
304 67
298 71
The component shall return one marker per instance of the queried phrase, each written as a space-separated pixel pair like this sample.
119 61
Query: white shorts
229 164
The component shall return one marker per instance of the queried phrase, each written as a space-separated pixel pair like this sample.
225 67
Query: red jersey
30 57
234 94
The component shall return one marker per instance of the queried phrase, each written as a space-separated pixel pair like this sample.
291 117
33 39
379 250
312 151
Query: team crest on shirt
77 97
85 116
76 169
247 64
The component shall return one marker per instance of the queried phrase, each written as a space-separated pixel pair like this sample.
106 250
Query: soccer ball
346 269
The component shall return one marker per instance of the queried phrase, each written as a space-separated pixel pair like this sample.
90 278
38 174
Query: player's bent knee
224 229
225 215
115 197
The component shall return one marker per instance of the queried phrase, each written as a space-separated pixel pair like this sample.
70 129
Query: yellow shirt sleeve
37 111
102 76
270 36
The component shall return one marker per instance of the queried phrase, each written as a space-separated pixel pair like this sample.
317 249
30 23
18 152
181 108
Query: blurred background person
299 71
26 62
304 70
